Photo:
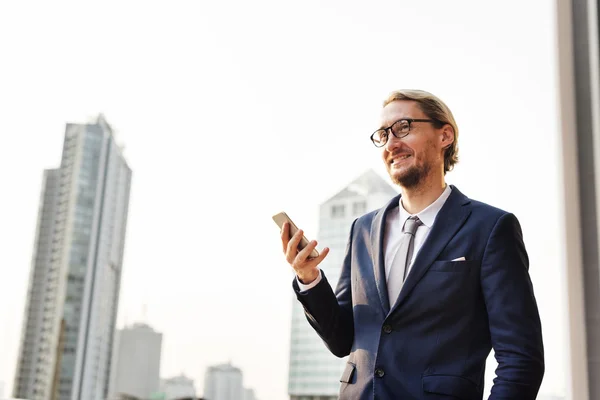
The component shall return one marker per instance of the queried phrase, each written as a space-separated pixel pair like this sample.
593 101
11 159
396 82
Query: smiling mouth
399 159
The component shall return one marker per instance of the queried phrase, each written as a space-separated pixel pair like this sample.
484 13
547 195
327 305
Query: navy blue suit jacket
432 343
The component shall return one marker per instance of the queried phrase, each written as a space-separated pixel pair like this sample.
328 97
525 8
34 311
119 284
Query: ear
446 136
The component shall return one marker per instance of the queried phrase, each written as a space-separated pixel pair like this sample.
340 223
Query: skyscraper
73 291
226 382
248 394
135 367
177 387
314 373
223 382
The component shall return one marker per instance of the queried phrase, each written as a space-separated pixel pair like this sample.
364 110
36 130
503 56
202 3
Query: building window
337 211
359 208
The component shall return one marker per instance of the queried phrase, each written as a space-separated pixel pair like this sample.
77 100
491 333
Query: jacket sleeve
514 320
329 313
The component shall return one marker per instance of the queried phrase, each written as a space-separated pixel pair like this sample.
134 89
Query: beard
411 177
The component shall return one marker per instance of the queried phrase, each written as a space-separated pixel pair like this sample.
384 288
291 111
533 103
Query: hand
305 268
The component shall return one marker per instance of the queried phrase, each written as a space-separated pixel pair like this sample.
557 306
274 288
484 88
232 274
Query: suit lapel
377 238
448 221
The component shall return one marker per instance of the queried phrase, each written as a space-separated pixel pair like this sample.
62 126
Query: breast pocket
454 284
454 266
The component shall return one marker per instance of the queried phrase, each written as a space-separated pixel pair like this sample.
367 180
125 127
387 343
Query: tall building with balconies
73 292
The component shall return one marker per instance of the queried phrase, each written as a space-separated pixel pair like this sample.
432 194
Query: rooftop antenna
144 314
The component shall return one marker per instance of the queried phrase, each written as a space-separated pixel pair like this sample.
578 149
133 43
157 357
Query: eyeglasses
399 129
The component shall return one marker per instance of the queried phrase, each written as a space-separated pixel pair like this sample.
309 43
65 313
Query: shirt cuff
304 288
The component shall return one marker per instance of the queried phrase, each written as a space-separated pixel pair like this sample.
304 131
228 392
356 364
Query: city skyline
308 101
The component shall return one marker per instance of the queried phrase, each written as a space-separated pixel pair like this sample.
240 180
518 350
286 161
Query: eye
401 127
380 136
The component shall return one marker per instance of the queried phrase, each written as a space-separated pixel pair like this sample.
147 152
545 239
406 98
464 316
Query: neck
418 198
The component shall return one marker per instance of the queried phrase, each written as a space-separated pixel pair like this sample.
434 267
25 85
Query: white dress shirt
394 223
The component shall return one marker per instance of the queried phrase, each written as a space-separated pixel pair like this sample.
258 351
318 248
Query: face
413 158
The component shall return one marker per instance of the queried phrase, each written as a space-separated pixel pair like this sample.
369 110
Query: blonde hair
437 110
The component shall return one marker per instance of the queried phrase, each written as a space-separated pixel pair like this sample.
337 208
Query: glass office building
314 372
73 291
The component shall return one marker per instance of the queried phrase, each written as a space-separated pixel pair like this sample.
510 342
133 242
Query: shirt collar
427 216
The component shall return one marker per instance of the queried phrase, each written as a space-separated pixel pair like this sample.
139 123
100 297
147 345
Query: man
430 283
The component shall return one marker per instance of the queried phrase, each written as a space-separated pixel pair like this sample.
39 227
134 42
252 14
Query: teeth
400 158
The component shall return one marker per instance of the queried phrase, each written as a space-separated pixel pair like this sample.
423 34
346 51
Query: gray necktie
402 259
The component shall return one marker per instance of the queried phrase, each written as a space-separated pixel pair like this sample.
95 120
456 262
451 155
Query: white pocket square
459 259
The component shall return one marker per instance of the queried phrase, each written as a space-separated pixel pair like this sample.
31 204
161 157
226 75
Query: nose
392 143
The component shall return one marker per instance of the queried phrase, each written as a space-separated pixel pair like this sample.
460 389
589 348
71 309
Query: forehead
400 109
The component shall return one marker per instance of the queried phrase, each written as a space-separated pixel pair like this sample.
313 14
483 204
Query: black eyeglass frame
389 129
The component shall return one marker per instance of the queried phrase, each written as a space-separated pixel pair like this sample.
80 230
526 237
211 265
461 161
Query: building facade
135 369
177 387
249 394
314 373
224 382
72 297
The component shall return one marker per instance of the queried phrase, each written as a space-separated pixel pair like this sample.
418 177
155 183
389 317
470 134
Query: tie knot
411 225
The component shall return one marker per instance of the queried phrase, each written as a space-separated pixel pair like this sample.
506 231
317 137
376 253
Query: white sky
234 110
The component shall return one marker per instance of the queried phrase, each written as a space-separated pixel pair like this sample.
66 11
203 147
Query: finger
292 246
285 236
321 256
311 263
305 252
317 260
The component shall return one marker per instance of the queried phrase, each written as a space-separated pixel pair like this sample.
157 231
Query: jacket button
379 372
387 329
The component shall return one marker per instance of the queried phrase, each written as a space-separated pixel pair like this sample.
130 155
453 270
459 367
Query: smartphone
282 217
